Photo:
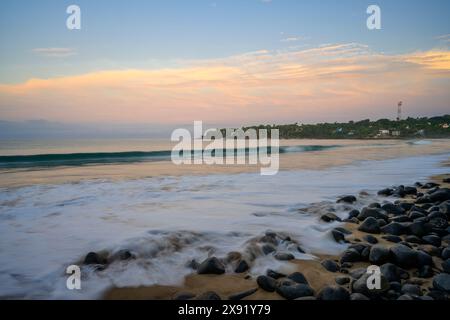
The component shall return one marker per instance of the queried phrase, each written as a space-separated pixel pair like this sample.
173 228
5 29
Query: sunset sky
222 61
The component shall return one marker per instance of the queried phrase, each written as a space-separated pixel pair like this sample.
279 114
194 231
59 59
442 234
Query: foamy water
168 221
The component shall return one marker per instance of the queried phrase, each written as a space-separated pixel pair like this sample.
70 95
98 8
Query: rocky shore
406 234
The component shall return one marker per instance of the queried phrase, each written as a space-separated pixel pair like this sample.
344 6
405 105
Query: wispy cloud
55 52
293 39
346 80
443 38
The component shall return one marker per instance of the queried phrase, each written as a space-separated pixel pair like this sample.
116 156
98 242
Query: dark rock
437 214
330 265
183 296
298 277
338 236
268 249
431 250
407 244
410 190
285 282
343 230
392 295
211 266
446 239
210 295
333 293
390 272
353 214
418 229
330 217
381 222
284 256
405 297
193 264
299 249
342 280
359 247
295 291
274 274
445 253
365 254
415 215
438 223
433 190
358 297
433 209
379 255
403 256
242 295
446 266
441 282
125 255
347 199
413 239
392 238
394 228
386 192
396 286
347 265
242 267
372 212
358 273
406 205
374 205
399 192
402 218
370 239
440 195
94 258
430 185
350 255
432 239
310 298
360 286
445 208
437 295
266 283
425 271
412 289
370 225
393 209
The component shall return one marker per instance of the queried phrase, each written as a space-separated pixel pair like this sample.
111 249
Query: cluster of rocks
415 264
280 246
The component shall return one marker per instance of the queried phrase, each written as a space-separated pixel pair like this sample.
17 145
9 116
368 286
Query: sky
233 62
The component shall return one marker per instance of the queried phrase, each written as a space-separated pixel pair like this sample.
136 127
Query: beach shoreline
322 280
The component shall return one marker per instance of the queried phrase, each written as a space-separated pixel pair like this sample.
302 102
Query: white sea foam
166 222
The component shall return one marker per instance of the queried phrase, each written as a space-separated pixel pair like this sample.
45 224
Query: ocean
59 201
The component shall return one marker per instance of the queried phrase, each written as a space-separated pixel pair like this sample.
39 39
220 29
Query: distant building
420 132
395 133
383 132
445 126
